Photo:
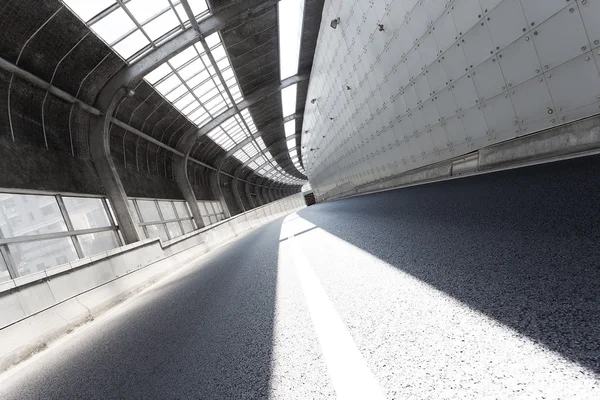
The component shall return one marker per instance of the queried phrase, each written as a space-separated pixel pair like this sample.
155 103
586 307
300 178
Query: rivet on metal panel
584 48
535 33
571 9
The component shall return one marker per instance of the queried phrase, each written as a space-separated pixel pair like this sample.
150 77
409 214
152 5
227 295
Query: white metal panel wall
441 79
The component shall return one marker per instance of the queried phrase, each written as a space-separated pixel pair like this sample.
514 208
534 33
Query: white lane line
350 375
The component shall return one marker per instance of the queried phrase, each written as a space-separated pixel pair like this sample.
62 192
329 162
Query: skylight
134 27
187 80
233 131
288 100
291 14
290 128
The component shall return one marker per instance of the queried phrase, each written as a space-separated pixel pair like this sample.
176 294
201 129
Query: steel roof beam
188 141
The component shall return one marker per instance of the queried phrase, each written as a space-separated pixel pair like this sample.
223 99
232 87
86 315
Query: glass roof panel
131 44
161 25
291 14
187 80
183 57
86 9
143 10
290 128
113 26
158 73
288 100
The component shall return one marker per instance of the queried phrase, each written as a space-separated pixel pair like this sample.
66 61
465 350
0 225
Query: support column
247 191
218 191
183 181
99 142
236 194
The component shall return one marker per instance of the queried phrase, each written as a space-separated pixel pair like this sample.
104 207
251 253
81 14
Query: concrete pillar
248 195
99 141
236 194
183 181
218 192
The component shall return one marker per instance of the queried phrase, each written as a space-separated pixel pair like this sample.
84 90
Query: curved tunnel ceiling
150 123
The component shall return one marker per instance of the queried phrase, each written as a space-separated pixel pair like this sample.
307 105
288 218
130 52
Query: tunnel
299 199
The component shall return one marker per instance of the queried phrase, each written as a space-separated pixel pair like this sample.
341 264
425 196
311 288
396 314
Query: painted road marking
350 375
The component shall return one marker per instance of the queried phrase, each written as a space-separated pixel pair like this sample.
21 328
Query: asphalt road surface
482 287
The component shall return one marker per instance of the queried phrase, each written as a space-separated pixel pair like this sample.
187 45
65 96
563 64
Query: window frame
69 233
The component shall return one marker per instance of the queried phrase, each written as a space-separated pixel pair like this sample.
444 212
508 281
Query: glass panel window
188 226
166 208
86 213
32 257
142 10
148 210
182 209
174 229
86 9
131 44
210 208
24 215
98 242
157 231
113 26
4 275
133 212
203 211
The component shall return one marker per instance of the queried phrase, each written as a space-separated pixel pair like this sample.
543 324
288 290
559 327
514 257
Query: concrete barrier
38 308
575 139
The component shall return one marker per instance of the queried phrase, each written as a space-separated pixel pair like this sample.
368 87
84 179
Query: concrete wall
576 139
403 85
38 308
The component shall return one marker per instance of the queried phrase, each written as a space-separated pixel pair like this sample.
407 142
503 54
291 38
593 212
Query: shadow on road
521 246
207 334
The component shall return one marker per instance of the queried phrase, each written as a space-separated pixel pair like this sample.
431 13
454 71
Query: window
15 222
148 210
164 219
47 210
9 206
61 260
98 242
30 257
64 240
211 212
4 275
86 213
20 222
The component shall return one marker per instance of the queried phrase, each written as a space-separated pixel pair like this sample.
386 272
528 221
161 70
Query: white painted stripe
350 375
